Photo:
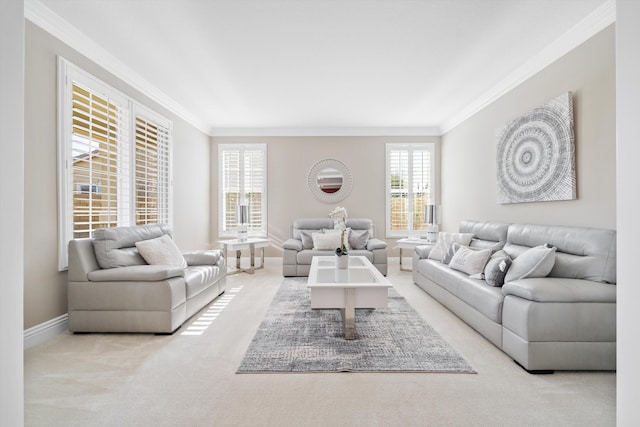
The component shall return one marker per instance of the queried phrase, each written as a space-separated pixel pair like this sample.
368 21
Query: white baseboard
45 331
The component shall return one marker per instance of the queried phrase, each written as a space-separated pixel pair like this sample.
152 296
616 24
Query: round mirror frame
342 193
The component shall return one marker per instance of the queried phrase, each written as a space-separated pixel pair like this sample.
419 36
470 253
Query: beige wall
289 160
45 296
468 180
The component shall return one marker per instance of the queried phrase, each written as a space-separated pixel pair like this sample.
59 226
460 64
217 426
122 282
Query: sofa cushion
484 298
583 253
445 240
136 273
470 261
115 247
496 269
534 262
161 251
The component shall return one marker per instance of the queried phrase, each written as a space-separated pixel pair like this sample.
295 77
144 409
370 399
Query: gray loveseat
298 250
563 321
111 288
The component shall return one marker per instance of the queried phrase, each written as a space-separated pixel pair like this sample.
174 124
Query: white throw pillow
445 240
534 262
161 251
470 261
326 241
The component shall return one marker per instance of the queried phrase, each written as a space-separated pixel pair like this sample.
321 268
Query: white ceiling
229 66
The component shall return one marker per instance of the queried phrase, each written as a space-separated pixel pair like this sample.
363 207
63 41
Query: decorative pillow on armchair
326 241
307 239
445 240
358 239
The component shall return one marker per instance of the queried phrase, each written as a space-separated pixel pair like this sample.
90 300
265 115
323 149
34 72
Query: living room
465 170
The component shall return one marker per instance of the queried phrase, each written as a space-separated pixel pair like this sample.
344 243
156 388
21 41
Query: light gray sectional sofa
111 288
565 320
298 250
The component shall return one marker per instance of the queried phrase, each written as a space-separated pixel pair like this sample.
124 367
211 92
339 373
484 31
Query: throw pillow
161 251
445 240
326 241
358 239
307 240
451 252
496 269
534 262
338 232
470 261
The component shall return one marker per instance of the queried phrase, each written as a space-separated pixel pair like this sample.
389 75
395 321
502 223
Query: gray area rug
295 338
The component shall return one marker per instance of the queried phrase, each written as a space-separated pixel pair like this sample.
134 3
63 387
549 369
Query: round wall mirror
329 181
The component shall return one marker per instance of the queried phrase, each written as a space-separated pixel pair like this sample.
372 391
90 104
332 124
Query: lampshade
431 214
242 214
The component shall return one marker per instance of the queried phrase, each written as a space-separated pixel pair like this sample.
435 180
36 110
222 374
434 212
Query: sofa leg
535 371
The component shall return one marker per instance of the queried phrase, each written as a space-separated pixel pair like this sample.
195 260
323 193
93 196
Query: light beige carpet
190 380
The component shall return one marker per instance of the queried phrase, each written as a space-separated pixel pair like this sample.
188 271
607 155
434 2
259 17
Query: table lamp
242 218
432 218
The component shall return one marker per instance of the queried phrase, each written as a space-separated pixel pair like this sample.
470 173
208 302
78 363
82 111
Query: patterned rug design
294 338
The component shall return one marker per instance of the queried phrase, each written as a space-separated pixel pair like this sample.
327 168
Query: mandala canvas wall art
536 155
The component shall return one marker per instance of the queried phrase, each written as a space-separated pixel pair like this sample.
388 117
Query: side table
411 244
240 245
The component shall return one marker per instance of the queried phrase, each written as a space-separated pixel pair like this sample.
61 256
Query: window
113 159
409 187
243 181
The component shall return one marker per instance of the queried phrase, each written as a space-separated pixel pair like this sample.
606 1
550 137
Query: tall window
409 187
242 172
113 159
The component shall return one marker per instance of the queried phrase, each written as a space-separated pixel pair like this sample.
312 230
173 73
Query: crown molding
591 25
39 14
329 131
45 18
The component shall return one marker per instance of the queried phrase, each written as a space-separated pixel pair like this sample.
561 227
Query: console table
411 244
239 245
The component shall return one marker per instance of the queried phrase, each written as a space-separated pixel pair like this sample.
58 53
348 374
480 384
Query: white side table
240 245
411 244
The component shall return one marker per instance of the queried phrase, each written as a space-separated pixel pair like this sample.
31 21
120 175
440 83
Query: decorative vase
342 261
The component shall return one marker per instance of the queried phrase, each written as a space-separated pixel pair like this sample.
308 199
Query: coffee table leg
349 314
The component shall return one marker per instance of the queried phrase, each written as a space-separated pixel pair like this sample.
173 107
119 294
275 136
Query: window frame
68 74
241 148
409 148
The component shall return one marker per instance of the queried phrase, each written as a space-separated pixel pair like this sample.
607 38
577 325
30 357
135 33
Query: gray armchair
298 250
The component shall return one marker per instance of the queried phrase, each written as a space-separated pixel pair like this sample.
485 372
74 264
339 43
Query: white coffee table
359 286
240 245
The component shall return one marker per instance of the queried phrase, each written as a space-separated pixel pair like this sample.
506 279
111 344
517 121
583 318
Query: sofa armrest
423 251
374 243
293 244
136 273
210 257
